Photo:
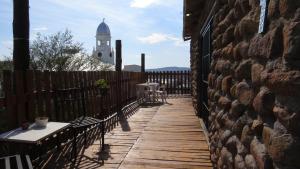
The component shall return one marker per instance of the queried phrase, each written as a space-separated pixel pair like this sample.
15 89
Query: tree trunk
21 55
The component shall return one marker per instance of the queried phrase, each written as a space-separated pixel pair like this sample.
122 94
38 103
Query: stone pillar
143 62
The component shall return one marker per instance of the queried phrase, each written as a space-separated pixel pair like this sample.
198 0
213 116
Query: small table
34 134
141 88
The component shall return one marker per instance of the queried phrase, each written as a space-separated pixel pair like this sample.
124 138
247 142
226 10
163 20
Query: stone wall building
246 80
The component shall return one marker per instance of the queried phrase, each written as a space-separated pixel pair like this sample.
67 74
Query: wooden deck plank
172 139
161 137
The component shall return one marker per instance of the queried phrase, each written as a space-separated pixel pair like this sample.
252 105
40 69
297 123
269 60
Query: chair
16 162
81 124
162 92
149 94
84 123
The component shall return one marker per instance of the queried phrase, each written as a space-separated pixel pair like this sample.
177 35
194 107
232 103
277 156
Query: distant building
103 50
132 68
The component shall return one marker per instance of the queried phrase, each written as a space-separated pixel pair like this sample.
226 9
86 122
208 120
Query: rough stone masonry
254 85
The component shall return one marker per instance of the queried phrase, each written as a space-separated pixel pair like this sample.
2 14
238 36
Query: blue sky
153 27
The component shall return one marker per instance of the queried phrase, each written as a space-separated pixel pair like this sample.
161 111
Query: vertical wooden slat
9 99
184 82
76 94
181 81
20 97
160 77
85 91
48 94
30 95
55 95
61 103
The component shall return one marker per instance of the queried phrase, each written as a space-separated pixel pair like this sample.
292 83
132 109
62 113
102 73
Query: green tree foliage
6 64
57 52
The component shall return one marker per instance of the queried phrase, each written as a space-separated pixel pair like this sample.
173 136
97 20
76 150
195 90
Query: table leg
85 135
74 144
102 135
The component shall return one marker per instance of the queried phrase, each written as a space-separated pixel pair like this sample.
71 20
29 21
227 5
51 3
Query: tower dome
103 49
103 29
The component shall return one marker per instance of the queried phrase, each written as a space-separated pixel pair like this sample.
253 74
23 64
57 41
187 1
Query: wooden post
118 55
119 74
143 63
21 54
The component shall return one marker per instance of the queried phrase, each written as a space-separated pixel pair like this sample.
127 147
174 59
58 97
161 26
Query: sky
153 27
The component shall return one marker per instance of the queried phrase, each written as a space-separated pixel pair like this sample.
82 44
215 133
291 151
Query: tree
21 34
94 64
57 52
6 64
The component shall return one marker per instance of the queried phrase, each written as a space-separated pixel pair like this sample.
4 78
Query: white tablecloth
141 87
33 134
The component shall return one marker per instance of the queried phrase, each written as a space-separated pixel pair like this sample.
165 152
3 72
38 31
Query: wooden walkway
160 137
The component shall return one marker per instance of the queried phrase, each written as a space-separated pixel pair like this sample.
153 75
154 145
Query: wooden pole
119 75
143 63
118 55
21 55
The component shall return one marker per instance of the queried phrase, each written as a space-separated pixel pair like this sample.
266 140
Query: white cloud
38 29
142 3
147 3
155 38
178 41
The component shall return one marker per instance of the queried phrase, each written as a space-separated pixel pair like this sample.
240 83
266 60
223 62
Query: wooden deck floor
160 137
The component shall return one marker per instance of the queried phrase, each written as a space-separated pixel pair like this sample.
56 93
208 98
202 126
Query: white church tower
103 44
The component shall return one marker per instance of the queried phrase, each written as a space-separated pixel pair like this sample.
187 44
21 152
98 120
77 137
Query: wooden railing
35 93
176 82
26 95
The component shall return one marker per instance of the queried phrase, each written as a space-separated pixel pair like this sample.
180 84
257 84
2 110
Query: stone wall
194 59
254 86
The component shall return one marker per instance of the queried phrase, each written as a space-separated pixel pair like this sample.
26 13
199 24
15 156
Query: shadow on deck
159 136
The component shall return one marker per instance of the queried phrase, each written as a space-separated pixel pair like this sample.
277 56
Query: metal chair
162 92
149 94
16 162
83 123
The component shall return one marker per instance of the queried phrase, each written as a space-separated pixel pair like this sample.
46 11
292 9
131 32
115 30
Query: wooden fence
176 82
44 93
35 93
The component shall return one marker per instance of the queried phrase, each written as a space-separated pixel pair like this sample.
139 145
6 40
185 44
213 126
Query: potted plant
103 86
